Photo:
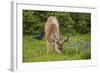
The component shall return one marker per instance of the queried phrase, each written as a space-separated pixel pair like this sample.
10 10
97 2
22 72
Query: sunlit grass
35 50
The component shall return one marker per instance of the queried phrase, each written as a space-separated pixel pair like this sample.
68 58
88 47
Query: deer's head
59 44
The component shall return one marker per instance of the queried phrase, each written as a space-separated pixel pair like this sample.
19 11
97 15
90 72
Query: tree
70 22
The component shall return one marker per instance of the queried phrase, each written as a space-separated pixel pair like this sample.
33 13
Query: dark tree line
70 22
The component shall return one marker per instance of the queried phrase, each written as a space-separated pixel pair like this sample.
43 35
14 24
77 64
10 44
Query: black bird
40 36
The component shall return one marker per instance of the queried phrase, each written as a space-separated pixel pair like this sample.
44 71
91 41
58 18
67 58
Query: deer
52 35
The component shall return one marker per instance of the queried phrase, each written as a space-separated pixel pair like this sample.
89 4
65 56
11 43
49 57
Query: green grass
35 50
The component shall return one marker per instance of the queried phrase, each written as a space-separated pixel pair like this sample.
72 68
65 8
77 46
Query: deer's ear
60 38
64 40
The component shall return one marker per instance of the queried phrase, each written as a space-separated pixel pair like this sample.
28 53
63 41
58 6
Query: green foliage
78 25
34 53
34 21
82 22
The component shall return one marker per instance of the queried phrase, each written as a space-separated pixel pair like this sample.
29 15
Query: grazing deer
52 35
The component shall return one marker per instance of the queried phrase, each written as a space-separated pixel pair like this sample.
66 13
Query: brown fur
52 34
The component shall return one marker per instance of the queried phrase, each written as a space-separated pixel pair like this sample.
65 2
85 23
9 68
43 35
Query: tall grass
35 50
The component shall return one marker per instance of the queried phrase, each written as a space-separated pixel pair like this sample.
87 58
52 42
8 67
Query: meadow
79 48
77 24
